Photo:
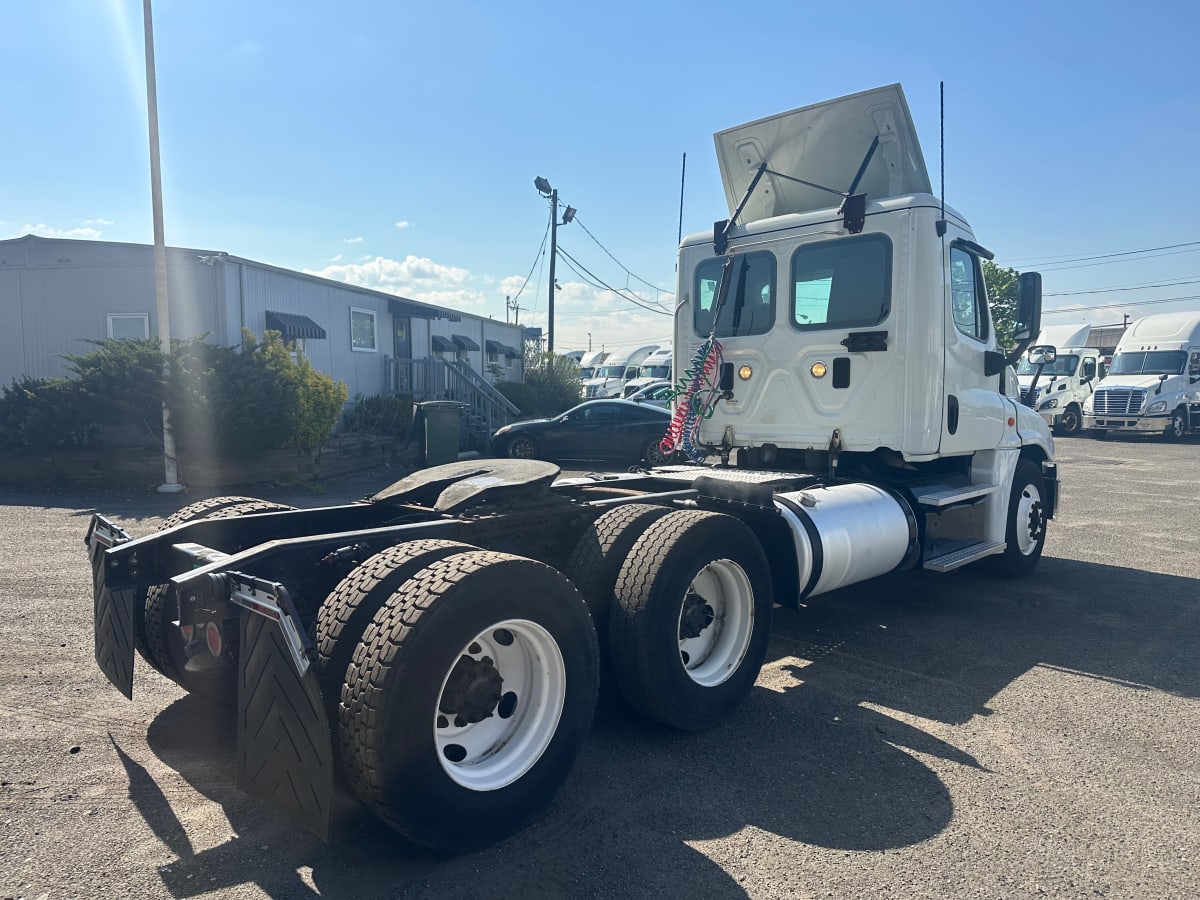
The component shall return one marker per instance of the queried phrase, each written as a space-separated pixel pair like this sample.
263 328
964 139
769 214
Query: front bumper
1142 424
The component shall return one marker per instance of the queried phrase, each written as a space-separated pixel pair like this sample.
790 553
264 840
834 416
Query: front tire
1177 428
1025 534
653 454
1070 422
520 447
468 698
689 628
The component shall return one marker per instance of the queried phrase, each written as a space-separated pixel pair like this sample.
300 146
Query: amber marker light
745 372
818 370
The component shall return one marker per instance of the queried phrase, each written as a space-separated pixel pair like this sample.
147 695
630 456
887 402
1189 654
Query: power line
618 262
541 249
598 282
1109 262
1125 287
1055 260
1077 309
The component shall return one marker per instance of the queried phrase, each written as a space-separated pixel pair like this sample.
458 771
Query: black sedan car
599 429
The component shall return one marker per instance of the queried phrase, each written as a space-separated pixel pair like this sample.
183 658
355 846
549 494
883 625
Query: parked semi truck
1153 384
619 368
1058 390
589 362
437 647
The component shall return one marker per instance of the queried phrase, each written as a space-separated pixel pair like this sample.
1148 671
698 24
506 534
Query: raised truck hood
824 143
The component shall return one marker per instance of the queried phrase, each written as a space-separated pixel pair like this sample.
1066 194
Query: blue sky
395 144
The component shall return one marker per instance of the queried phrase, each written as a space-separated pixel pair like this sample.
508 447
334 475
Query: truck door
974 412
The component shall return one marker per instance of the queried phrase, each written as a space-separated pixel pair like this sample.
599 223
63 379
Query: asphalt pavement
915 736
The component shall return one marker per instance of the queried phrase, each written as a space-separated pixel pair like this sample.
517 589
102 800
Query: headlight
1160 406
1087 405
504 430
1049 404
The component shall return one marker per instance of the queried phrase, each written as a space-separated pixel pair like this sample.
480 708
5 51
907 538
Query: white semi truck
589 362
655 367
437 646
1153 385
619 368
1058 390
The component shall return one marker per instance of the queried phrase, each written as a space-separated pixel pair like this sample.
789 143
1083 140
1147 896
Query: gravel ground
915 736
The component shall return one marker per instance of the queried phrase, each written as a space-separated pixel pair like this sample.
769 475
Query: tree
1002 289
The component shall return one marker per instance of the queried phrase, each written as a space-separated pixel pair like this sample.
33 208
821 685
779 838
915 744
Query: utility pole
546 190
170 483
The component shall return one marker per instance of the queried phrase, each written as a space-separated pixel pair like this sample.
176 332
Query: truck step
963 555
941 495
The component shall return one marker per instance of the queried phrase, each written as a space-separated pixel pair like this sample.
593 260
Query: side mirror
1043 355
1029 314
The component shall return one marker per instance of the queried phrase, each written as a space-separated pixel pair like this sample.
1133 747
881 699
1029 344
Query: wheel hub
1037 522
696 616
473 691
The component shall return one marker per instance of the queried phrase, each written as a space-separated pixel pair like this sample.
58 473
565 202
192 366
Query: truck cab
610 377
588 363
656 367
1153 385
1059 390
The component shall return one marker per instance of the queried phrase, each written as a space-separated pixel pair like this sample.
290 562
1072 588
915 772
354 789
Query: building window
124 326
362 330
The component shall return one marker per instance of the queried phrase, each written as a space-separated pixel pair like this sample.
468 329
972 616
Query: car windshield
1153 362
611 372
1063 365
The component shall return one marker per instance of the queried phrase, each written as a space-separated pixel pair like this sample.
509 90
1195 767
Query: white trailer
845 394
1058 390
1151 386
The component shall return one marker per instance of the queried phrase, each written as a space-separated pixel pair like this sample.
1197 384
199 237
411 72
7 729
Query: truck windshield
1153 362
655 371
1064 365
587 372
611 372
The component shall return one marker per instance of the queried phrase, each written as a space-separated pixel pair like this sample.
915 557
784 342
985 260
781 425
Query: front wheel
653 453
520 447
1070 422
1177 428
1025 535
692 616
468 698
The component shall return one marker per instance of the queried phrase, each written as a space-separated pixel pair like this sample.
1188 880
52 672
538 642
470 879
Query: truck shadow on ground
810 757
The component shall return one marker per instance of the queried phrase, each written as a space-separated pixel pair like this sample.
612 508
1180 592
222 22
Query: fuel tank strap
814 543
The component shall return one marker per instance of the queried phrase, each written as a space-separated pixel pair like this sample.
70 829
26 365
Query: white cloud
47 231
101 222
403 224
353 240
418 278
337 258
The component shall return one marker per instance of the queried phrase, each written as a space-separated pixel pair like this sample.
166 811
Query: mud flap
112 625
285 752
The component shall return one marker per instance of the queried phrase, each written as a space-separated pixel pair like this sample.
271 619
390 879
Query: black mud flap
113 627
285 751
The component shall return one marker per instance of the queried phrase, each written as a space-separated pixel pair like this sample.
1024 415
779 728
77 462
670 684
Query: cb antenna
941 223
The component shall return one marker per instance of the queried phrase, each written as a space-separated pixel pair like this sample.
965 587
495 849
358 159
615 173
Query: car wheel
520 447
653 453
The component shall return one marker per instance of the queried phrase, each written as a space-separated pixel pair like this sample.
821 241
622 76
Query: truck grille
1037 392
1118 402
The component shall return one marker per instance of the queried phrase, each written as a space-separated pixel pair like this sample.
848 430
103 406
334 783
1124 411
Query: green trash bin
443 421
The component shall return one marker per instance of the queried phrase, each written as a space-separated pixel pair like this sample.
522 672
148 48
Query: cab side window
968 297
1194 366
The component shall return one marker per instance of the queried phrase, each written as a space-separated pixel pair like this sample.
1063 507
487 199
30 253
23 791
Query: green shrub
387 415
44 414
551 388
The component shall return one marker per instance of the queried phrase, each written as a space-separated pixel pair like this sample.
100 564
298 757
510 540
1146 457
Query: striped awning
462 342
511 352
441 344
293 326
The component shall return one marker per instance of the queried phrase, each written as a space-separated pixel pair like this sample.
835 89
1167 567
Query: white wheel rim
492 753
719 605
1029 520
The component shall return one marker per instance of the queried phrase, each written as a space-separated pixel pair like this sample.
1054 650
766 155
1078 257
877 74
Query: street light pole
553 257
170 483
